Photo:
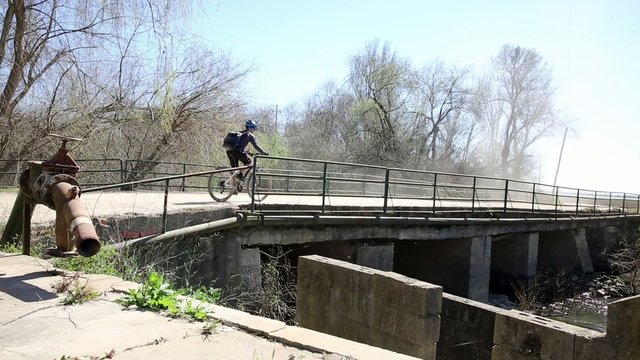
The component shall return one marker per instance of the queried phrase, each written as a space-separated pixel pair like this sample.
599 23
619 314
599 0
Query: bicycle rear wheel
221 185
261 187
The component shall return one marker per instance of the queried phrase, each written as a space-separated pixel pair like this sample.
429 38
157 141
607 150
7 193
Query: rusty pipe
72 218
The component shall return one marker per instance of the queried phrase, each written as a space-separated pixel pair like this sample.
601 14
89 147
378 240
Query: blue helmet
250 124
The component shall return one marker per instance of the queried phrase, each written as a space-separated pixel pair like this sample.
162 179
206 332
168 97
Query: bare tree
523 90
324 128
122 74
382 83
439 122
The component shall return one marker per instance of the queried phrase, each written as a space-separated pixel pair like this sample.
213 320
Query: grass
104 262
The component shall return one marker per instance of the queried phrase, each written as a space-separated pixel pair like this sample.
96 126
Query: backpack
231 141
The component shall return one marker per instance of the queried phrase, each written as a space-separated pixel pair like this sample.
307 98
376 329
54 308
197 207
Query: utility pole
564 138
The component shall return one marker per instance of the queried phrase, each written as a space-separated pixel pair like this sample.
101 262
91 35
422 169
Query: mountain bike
224 184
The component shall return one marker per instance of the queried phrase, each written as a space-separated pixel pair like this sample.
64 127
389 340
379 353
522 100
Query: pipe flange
49 180
37 188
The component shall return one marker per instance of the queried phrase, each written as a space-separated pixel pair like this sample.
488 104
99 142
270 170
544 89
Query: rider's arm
253 141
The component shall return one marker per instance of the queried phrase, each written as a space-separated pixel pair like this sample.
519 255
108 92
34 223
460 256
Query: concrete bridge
467 233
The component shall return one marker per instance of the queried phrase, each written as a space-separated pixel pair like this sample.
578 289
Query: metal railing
438 191
166 183
107 171
380 189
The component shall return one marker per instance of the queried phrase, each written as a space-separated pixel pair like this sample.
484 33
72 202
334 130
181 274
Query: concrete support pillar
564 251
375 256
514 257
479 268
461 266
236 268
600 241
580 239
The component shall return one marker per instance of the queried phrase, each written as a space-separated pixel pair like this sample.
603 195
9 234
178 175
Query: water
583 310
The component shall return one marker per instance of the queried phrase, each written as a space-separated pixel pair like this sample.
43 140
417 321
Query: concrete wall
466 329
522 336
623 328
400 314
212 260
114 229
378 308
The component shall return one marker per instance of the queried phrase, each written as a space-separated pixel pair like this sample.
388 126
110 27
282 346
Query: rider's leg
246 160
233 156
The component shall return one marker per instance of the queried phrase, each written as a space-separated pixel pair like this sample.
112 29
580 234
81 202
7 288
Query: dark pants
236 157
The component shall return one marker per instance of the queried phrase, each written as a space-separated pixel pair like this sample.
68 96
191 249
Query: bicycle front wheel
261 187
221 185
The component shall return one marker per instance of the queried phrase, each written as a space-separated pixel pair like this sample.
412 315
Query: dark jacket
246 138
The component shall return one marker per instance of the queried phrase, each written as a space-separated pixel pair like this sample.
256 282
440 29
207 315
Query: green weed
208 329
79 294
157 295
154 294
75 293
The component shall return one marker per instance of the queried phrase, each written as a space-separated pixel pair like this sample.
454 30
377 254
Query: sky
593 47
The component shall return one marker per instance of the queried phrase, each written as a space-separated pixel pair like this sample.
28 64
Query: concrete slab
34 324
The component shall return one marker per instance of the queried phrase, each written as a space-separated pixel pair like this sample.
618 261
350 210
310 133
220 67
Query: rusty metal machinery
53 183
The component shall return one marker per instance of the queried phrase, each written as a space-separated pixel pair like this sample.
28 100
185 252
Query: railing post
624 200
595 201
435 191
386 190
506 195
253 184
324 185
287 182
638 205
556 207
609 201
473 195
123 170
577 201
27 211
164 209
184 171
533 199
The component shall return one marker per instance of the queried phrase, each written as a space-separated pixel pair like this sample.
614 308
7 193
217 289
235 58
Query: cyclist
239 153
